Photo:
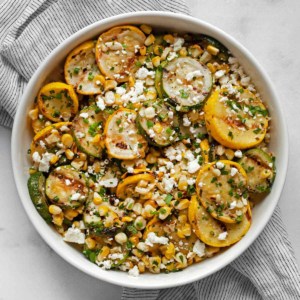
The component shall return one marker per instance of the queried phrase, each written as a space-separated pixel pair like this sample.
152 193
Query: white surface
32 269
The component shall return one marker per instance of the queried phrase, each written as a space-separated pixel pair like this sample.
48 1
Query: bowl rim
132 282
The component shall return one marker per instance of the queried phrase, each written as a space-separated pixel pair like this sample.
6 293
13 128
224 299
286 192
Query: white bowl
22 135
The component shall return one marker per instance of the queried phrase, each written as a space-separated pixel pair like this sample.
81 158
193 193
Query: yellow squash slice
58 101
126 187
236 124
48 137
213 232
81 70
122 138
222 190
116 51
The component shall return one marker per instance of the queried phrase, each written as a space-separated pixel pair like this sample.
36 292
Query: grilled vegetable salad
151 154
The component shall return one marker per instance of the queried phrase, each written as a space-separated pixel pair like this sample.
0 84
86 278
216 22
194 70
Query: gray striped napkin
29 30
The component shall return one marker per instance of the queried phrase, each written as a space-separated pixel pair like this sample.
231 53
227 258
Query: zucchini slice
48 138
236 124
122 139
211 231
88 128
81 70
116 51
67 187
187 82
36 188
158 79
126 187
58 101
222 190
260 169
159 123
99 224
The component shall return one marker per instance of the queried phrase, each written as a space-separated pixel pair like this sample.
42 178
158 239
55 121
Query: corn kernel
157 128
266 174
33 114
145 260
156 61
103 210
182 183
212 50
150 202
146 28
169 38
143 50
82 156
182 219
158 50
183 204
54 159
141 267
151 95
229 154
154 264
137 253
131 81
126 219
96 139
140 223
70 214
97 199
164 212
205 57
91 243
32 171
165 53
183 52
149 40
69 154
121 238
67 140
118 100
58 219
134 240
170 252
54 210
103 253
181 259
212 68
110 85
100 78
195 50
146 196
137 208
151 159
186 229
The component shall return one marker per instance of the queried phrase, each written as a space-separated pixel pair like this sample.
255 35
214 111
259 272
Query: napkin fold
29 31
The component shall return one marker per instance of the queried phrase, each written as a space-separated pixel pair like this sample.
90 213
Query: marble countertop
270 30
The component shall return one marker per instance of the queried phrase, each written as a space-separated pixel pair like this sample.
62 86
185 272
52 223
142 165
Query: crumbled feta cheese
68 181
170 114
222 236
200 184
233 171
130 170
150 112
245 202
199 248
168 184
36 157
112 182
115 256
178 44
193 166
189 155
151 133
232 205
191 181
109 98
232 60
186 121
106 264
134 272
75 196
141 73
152 238
120 90
74 235
216 172
44 165
79 134
64 128
220 165
219 74
238 154
171 56
100 102
189 76
84 115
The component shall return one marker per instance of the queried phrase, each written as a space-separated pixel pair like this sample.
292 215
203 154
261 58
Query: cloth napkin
29 31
